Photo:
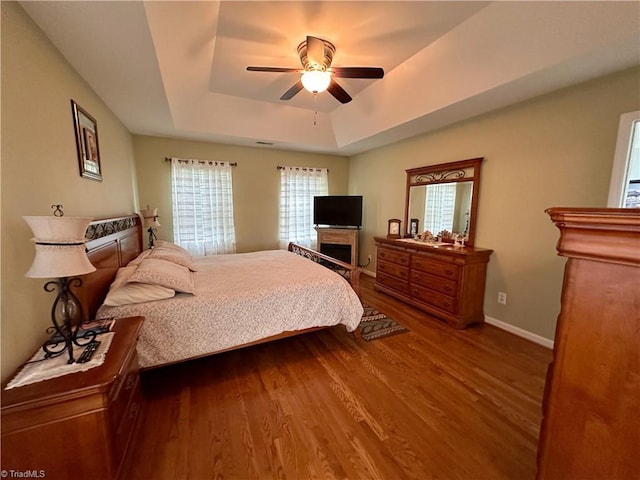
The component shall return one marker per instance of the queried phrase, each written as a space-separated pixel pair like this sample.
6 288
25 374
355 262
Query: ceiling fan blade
338 92
273 69
288 95
357 72
315 52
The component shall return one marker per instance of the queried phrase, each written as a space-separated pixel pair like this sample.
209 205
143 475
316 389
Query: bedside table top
81 383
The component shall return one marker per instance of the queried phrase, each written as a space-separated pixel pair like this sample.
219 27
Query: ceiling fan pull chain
315 108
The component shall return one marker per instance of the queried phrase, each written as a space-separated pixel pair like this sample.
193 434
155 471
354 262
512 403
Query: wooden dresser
591 407
77 425
445 281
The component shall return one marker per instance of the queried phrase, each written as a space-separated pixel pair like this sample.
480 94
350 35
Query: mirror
443 197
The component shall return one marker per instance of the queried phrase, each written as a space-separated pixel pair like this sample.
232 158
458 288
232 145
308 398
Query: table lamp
150 217
60 254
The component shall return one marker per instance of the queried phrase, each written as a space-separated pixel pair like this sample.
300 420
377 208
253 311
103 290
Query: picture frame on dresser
87 146
414 226
393 228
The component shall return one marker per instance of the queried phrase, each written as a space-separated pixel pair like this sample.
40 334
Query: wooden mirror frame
461 171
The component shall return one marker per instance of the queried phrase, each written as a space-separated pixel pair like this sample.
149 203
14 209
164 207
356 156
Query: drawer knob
448 272
447 289
133 410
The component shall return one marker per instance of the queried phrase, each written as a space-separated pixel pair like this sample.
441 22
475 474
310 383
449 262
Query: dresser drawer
120 392
437 299
122 433
401 258
445 270
393 269
392 282
432 282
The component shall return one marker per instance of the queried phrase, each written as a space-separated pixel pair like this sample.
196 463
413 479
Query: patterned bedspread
241 298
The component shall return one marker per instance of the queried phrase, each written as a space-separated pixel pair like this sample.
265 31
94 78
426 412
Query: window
624 190
298 186
202 197
439 208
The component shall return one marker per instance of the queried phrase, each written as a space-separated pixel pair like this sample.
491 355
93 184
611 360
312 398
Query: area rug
375 324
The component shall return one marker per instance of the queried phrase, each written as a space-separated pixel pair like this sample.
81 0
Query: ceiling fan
317 74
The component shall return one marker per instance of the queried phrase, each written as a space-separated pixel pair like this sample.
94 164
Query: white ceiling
178 69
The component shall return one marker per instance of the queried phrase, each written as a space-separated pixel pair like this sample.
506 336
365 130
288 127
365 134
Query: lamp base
66 316
152 236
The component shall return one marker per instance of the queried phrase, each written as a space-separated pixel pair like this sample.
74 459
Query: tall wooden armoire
591 407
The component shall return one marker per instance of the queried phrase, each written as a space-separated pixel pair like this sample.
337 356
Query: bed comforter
239 299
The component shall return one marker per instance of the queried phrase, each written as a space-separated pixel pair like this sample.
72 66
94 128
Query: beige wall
256 183
40 168
555 150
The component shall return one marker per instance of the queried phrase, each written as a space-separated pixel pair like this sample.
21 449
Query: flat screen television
338 210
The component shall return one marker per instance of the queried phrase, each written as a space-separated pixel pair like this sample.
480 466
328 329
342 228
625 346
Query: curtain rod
233 164
304 169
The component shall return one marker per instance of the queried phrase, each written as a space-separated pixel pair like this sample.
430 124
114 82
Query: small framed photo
413 226
393 228
86 130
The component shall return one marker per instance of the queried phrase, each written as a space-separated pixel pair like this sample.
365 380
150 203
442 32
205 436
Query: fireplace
339 243
336 250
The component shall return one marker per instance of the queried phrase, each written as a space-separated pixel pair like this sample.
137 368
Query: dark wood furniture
445 281
591 425
77 425
331 240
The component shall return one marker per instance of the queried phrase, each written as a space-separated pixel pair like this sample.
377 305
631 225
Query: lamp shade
60 247
150 217
315 81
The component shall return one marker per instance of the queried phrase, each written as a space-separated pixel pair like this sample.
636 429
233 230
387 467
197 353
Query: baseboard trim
545 342
532 337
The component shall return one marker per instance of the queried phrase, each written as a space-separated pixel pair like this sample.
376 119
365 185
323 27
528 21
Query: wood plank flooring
431 403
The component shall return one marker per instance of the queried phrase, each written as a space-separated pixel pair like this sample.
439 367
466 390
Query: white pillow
122 276
136 293
164 273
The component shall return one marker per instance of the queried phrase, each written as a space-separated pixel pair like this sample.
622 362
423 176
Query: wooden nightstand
77 425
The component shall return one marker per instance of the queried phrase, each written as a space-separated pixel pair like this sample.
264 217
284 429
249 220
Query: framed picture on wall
86 130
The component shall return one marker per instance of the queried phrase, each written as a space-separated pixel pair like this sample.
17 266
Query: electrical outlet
502 298
369 258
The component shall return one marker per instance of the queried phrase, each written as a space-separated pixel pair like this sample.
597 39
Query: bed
224 302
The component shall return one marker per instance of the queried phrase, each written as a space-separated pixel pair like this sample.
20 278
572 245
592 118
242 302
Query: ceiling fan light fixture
315 81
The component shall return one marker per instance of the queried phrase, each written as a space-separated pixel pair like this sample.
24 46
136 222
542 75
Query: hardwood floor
431 403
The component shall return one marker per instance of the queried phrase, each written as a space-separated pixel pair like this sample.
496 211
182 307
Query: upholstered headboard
111 244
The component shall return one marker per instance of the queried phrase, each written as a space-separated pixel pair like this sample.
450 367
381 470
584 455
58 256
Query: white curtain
202 196
298 186
439 209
